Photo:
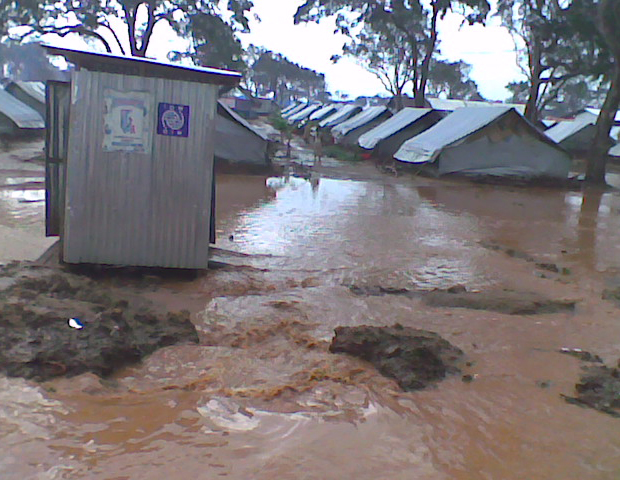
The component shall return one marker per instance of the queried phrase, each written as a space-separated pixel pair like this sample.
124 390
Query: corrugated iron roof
145 67
339 116
456 126
401 120
564 129
356 121
21 114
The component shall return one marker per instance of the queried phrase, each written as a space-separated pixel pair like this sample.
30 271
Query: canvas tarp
294 110
456 126
19 113
401 120
364 117
304 113
324 111
340 116
450 104
565 129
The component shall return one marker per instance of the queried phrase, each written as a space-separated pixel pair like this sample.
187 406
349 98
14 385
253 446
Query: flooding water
262 398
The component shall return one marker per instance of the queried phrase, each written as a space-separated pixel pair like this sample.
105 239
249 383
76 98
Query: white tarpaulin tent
340 116
398 122
324 111
487 141
294 110
350 130
304 113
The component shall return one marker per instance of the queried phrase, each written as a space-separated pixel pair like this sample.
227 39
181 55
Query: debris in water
598 388
414 358
581 355
75 323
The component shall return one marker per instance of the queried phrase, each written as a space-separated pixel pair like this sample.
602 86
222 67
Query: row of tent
22 108
475 139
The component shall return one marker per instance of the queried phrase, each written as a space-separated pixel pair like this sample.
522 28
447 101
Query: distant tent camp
386 138
304 113
30 93
294 110
340 116
16 117
574 135
348 132
237 142
324 112
487 141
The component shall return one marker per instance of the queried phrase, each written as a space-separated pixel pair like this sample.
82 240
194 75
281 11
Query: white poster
127 125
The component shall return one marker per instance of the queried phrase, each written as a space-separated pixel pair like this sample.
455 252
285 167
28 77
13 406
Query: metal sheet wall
145 209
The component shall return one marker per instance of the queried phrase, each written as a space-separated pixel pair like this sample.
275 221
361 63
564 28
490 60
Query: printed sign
173 120
126 125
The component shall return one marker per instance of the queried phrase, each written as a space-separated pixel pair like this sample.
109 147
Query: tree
92 19
452 80
554 47
410 25
608 21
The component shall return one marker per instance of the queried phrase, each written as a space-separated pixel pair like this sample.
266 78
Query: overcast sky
490 49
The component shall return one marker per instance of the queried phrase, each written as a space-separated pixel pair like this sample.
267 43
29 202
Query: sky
489 49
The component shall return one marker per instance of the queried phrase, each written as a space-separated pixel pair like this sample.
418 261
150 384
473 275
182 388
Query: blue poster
173 120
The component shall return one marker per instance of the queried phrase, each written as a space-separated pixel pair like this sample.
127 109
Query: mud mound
415 358
502 301
598 388
112 330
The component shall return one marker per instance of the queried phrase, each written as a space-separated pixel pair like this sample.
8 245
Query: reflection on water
261 397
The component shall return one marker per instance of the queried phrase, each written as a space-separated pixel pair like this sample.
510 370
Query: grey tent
386 138
451 104
30 93
16 117
294 110
340 116
237 142
324 112
576 135
495 141
348 132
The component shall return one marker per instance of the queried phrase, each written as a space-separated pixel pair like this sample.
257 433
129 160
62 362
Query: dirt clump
415 358
55 323
598 388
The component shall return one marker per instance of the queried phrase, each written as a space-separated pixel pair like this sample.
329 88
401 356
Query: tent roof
401 120
35 90
20 113
450 104
294 110
324 110
597 112
304 113
339 116
225 111
145 67
453 129
564 129
365 116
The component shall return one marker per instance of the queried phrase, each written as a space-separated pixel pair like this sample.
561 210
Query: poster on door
173 120
126 121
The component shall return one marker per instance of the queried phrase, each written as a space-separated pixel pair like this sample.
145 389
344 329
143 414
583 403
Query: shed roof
401 120
145 67
356 121
339 116
21 114
226 111
564 129
456 127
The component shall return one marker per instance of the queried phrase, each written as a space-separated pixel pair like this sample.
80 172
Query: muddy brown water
260 397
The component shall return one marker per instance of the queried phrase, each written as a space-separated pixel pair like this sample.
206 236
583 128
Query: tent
324 112
495 141
30 93
238 142
386 138
16 117
340 116
575 135
294 110
304 113
451 104
348 132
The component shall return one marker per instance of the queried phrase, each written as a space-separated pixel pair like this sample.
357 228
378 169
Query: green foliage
340 153
452 80
91 19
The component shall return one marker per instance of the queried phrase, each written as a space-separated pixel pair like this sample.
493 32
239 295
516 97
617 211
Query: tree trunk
597 157
531 110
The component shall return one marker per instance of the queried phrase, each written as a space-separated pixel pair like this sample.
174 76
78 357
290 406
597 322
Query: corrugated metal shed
362 118
304 113
19 113
139 169
341 115
399 121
